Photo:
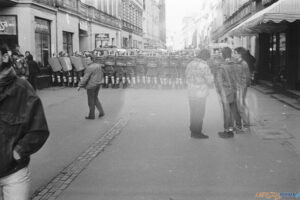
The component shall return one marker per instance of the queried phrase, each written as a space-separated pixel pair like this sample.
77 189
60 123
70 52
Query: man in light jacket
199 79
93 77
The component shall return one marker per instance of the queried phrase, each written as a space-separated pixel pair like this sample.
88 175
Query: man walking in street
23 131
199 79
93 77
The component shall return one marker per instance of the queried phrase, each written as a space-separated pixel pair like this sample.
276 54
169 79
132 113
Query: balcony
245 10
131 28
88 11
51 3
67 4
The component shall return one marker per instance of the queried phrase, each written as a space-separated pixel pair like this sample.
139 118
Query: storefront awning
271 19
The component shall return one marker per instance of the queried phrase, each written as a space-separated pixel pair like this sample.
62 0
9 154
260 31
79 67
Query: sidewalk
277 116
289 97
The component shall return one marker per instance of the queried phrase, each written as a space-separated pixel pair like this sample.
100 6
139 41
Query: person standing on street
199 79
226 88
93 77
243 81
33 69
23 131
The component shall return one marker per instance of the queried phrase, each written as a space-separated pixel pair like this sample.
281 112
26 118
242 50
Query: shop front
8 31
278 32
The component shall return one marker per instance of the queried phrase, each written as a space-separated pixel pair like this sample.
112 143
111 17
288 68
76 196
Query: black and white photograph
149 99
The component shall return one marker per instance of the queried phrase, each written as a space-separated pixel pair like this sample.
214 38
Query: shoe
241 130
101 115
226 134
199 136
89 117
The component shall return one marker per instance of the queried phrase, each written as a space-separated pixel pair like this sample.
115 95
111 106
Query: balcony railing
132 28
245 10
46 2
90 12
77 7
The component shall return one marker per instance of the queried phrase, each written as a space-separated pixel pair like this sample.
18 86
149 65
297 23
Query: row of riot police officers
124 68
143 69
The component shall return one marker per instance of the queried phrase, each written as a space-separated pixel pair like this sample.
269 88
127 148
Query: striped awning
274 18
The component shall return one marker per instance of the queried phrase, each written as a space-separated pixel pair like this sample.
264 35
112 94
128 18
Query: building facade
270 30
53 26
196 27
152 24
132 24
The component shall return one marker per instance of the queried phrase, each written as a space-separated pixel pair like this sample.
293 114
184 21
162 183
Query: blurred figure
33 69
17 49
93 77
27 53
243 80
249 59
18 63
226 87
199 78
23 131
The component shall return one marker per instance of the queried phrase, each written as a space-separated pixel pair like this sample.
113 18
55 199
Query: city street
151 155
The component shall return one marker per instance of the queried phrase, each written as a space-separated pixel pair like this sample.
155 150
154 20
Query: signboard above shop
102 37
8 25
83 25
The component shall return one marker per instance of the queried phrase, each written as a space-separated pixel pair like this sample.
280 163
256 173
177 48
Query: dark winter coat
23 125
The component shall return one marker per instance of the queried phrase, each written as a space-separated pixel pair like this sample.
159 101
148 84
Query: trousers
242 106
230 113
197 111
93 101
15 186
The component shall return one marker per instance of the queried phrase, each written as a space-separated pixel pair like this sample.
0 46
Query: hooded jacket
23 126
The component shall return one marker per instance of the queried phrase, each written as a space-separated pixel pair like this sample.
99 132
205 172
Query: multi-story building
132 23
270 29
46 27
189 32
162 21
196 27
152 24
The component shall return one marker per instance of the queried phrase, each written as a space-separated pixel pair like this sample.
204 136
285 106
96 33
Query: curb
290 100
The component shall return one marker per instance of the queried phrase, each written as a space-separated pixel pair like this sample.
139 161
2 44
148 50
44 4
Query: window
68 42
42 41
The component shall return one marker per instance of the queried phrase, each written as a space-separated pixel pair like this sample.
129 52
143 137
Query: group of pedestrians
231 77
24 66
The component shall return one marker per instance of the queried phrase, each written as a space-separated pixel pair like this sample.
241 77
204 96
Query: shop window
277 54
42 41
282 49
68 42
125 43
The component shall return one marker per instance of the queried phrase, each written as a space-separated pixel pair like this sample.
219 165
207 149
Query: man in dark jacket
23 130
33 69
93 77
